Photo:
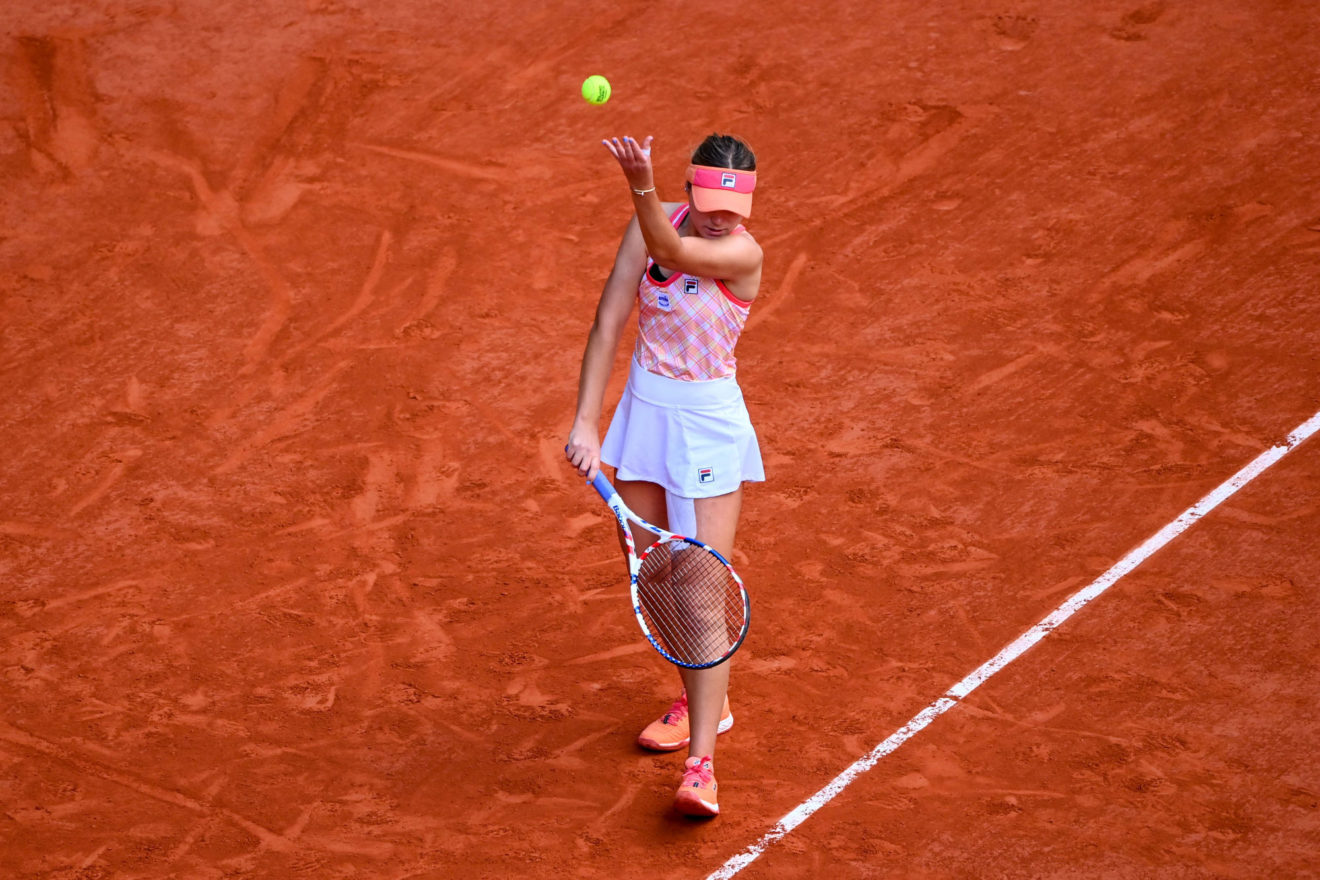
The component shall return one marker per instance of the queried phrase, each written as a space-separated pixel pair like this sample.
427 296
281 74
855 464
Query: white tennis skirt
694 438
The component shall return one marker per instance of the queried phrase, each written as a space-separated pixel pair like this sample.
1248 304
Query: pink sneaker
696 794
670 731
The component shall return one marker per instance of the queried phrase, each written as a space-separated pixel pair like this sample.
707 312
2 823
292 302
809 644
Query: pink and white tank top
688 326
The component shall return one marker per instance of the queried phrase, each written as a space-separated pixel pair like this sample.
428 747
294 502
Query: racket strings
691 603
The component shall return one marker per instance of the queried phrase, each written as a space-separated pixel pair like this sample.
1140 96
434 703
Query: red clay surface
296 583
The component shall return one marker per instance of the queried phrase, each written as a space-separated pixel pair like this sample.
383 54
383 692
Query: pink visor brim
722 189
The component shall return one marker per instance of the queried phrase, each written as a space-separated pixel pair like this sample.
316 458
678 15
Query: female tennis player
681 441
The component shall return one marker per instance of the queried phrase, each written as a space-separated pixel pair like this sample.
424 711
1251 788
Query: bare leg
647 500
717 522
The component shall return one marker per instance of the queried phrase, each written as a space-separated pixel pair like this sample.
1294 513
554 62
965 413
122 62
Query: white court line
1019 646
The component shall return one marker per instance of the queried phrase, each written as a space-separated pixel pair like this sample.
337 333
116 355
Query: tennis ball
596 89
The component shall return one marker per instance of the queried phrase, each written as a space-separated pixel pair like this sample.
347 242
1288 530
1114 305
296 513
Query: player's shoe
670 731
696 794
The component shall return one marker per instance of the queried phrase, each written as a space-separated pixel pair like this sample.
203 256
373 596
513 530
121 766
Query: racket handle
602 485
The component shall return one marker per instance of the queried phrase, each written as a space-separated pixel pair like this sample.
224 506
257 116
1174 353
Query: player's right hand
583 451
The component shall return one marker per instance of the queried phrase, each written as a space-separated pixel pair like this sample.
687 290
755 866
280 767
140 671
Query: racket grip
602 485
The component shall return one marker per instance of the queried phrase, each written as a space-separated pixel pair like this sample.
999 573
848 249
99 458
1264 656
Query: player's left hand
634 158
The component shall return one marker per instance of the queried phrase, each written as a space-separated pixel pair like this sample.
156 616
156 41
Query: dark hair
724 151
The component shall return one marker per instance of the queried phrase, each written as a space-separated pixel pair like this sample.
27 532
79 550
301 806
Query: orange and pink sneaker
696 793
670 731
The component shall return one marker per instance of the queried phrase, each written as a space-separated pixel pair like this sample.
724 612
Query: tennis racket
689 602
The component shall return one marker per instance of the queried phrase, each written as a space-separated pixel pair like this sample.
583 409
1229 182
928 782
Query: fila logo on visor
728 181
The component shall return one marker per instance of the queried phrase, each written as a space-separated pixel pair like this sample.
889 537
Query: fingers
629 148
642 151
634 149
588 467
623 149
586 461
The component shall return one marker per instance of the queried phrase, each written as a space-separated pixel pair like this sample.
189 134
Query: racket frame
623 514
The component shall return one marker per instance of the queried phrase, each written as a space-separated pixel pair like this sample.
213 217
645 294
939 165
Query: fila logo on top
728 181
690 285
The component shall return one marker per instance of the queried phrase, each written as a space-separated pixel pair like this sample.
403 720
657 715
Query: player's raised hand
634 157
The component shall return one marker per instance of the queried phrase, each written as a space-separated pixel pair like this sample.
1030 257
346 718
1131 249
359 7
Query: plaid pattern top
687 326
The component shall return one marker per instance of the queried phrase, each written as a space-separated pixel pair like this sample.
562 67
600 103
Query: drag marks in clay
59 104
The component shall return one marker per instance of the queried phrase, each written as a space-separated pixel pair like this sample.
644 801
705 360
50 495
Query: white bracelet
642 192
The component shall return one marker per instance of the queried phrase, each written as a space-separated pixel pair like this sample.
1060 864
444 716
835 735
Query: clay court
296 582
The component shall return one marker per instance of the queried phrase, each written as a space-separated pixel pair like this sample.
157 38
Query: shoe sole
691 805
725 724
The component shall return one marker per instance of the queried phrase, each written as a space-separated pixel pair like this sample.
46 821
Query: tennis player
681 440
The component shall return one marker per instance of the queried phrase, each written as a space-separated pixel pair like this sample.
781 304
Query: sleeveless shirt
687 326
